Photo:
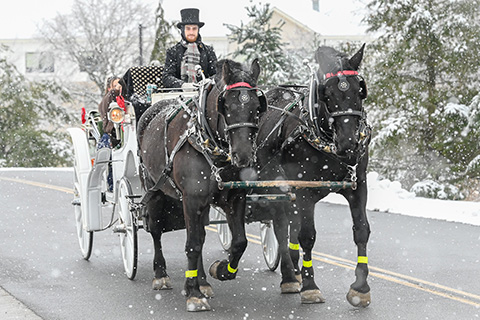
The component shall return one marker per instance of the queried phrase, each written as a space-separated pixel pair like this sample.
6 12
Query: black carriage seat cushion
137 78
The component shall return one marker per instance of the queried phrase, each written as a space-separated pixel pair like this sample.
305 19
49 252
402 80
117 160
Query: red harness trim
121 102
341 73
239 84
84 115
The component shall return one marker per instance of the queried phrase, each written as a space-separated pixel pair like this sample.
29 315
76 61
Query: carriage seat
137 79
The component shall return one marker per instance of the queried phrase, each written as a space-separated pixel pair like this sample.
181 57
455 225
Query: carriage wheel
85 238
270 245
128 225
224 233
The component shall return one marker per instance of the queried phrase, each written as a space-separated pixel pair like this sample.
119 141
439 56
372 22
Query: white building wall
63 69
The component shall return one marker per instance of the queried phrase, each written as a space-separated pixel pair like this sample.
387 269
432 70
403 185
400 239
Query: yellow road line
402 276
384 274
391 276
407 283
38 184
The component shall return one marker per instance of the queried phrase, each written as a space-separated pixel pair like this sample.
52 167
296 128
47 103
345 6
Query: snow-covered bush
433 189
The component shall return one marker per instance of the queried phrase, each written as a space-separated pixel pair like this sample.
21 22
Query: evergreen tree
258 39
163 37
421 73
30 114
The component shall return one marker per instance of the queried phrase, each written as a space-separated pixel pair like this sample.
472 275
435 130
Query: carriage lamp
116 114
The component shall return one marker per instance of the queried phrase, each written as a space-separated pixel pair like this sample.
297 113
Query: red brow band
340 73
238 84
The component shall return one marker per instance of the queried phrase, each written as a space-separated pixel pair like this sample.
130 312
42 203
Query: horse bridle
343 85
243 88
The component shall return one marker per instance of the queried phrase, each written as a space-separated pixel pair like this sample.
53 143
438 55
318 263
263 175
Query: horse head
340 93
239 105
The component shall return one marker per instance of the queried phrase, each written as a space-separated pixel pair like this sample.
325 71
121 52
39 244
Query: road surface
419 268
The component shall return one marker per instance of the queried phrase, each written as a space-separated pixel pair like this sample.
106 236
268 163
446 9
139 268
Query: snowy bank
387 196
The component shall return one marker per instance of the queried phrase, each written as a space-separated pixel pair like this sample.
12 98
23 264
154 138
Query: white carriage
96 207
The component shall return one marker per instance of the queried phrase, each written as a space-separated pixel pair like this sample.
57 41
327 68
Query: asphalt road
419 268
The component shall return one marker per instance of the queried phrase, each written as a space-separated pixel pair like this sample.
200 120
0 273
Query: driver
181 59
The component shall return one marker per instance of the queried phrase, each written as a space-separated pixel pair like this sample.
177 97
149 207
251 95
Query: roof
339 17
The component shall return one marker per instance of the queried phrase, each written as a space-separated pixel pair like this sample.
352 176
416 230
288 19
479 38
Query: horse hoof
207 291
162 284
299 278
358 299
195 304
213 269
290 287
312 296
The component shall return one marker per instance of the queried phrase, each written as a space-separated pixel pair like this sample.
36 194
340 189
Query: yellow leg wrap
294 246
362 259
231 270
307 264
191 273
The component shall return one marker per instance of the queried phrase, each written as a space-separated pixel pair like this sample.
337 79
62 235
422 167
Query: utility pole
140 45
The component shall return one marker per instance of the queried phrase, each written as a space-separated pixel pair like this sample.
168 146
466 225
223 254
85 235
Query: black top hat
190 16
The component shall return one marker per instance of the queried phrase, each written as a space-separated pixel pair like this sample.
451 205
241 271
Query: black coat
171 73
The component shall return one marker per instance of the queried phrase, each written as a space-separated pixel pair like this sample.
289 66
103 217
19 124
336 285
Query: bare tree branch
101 37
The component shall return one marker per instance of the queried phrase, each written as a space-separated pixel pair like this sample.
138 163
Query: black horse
320 134
186 148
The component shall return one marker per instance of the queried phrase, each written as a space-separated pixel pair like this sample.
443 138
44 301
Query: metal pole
140 44
289 184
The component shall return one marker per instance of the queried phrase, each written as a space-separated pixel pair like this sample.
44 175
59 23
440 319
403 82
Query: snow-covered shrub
433 189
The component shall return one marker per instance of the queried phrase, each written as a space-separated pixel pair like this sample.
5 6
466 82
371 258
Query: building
36 60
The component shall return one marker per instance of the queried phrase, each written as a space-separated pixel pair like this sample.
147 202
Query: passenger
109 83
181 59
113 90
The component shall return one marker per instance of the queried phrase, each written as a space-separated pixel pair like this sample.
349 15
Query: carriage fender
83 165
94 190
80 146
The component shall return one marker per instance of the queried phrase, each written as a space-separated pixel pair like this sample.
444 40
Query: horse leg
196 300
205 287
290 283
227 269
293 245
161 281
310 293
359 293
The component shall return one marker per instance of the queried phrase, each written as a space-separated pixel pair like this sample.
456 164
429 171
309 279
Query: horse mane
238 73
331 60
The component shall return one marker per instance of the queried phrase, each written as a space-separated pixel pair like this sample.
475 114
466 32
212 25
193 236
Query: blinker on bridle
242 98
343 86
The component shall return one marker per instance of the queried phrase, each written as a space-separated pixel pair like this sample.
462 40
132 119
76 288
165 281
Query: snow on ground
388 196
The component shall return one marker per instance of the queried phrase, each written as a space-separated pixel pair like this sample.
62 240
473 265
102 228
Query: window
43 62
